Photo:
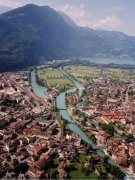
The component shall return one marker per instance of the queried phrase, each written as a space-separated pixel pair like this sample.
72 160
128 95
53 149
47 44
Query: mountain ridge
4 9
34 34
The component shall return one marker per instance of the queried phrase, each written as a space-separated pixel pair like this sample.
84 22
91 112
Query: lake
109 61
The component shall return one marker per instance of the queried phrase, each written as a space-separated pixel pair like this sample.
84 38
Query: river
37 89
60 102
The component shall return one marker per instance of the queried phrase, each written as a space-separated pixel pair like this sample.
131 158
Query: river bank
60 102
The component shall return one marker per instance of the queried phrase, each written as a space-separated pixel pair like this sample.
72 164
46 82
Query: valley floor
35 141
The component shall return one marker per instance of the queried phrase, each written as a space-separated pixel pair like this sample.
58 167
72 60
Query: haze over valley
31 35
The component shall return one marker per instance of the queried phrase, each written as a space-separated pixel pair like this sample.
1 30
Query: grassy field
54 77
120 74
78 173
87 72
76 168
80 72
49 72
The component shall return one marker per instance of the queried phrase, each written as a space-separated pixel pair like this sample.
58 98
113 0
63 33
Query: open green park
89 72
83 72
77 168
120 73
54 77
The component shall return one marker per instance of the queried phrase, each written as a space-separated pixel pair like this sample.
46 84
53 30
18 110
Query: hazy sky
99 14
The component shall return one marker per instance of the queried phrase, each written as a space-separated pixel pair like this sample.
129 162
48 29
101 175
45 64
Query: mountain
67 19
4 9
33 34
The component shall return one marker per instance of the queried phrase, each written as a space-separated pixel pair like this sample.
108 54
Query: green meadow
54 77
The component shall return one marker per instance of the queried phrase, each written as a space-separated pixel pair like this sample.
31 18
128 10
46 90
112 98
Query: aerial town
107 114
67 89
37 139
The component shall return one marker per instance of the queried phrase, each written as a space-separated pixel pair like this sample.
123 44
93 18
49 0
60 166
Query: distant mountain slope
33 34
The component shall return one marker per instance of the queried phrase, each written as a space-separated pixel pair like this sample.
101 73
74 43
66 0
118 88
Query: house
10 147
31 139
3 123
122 161
41 163
101 141
133 167
34 172
23 141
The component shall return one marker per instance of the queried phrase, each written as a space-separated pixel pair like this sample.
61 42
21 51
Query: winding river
37 89
60 102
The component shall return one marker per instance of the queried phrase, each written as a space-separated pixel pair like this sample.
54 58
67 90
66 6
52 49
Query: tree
129 136
54 131
1 137
91 161
21 168
87 172
101 169
53 173
109 128
105 159
15 162
93 125
115 171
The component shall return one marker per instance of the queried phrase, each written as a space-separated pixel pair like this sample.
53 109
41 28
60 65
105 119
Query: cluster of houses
71 101
30 133
117 106
108 102
22 131
118 149
61 152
